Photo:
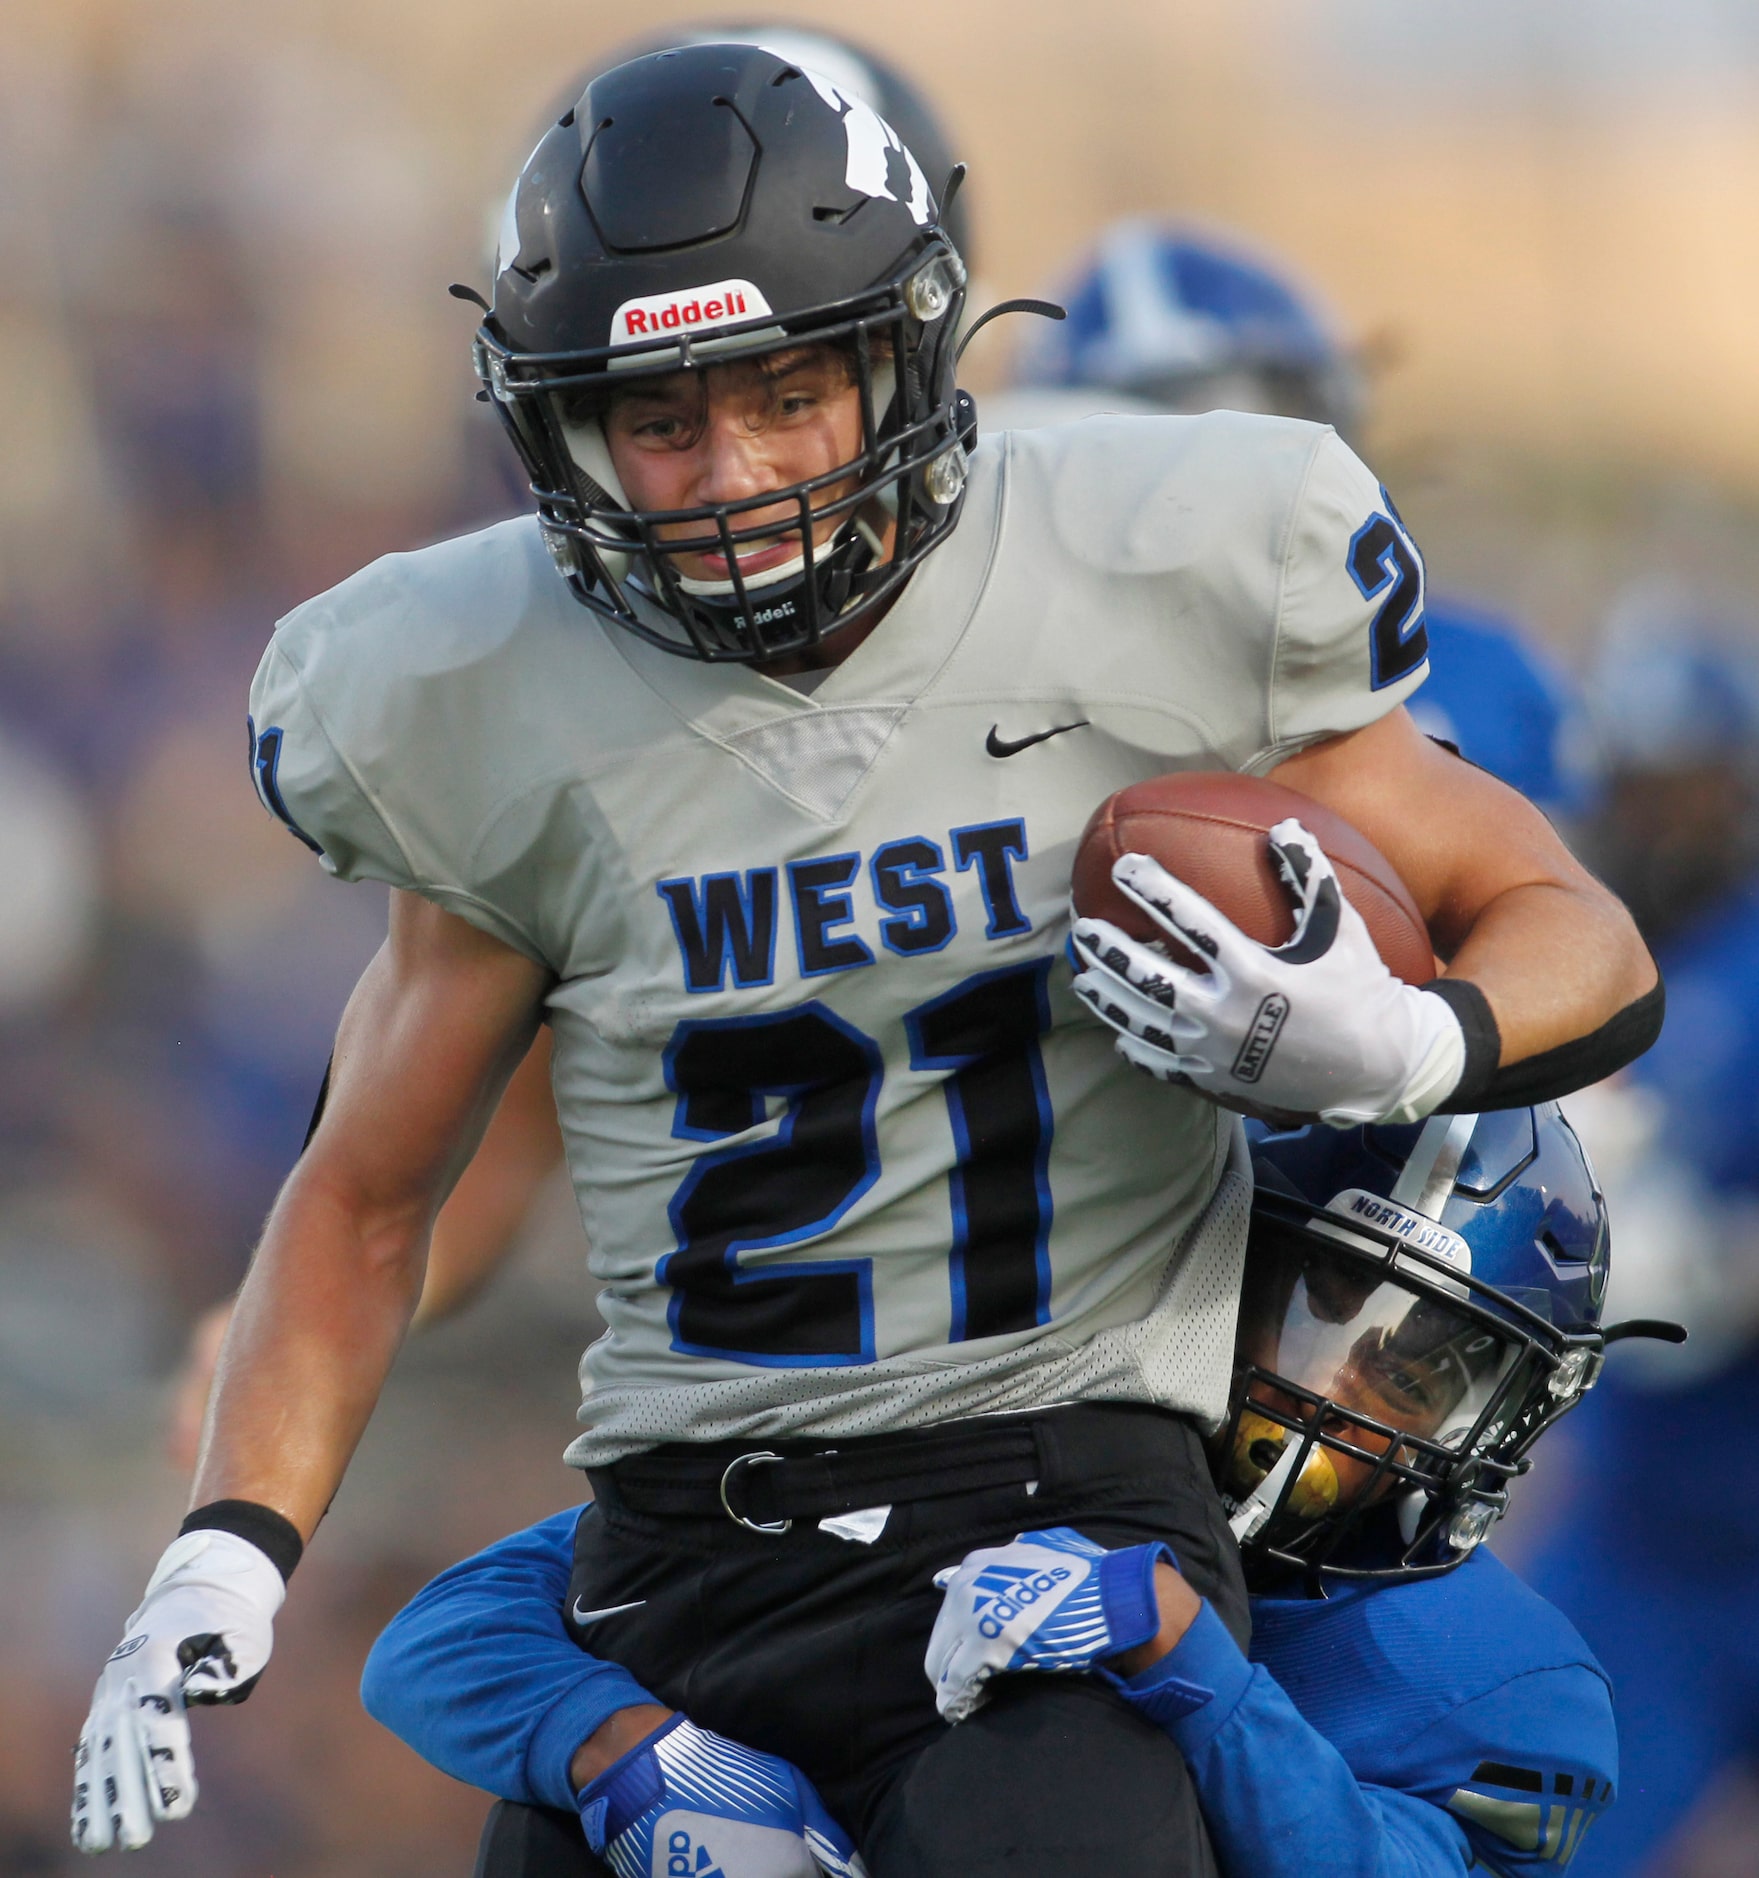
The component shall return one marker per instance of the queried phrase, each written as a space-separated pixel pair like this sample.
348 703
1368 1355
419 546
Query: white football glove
1049 1601
202 1634
1317 1026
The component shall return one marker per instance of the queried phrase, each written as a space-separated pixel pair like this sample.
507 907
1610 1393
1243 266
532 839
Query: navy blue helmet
1420 1304
1185 322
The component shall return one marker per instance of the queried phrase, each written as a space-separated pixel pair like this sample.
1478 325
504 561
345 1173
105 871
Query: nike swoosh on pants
610 1610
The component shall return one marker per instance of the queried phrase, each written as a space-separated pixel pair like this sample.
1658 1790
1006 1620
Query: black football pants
811 1647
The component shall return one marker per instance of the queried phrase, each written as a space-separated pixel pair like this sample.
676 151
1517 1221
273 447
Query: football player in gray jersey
754 764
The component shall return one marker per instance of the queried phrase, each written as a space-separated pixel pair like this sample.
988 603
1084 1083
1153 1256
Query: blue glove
1050 1601
686 1801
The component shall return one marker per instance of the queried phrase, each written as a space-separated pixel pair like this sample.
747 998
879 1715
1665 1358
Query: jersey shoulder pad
1293 600
1376 1667
1151 495
1486 1597
1528 1765
1526 1769
409 618
1471 1630
385 714
1352 637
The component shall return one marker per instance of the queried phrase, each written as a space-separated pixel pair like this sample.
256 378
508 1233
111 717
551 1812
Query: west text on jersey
726 923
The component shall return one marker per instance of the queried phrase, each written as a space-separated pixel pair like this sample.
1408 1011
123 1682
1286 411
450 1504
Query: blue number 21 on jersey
798 1182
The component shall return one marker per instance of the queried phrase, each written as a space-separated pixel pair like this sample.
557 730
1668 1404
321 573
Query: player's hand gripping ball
1050 1601
1311 1024
689 1801
202 1634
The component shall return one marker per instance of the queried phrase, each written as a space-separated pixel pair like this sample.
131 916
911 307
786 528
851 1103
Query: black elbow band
1484 1084
270 1532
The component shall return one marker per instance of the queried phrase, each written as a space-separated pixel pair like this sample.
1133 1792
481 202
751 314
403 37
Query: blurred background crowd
1522 246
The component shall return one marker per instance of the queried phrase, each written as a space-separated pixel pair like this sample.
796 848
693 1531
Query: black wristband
1552 1073
272 1534
1483 1042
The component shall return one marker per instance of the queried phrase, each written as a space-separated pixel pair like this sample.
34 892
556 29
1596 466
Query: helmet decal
1413 1228
1427 1178
507 236
873 148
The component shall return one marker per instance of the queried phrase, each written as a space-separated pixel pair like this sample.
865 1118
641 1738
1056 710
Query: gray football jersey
849 1153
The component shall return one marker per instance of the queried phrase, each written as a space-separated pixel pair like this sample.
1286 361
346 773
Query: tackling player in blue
1420 1304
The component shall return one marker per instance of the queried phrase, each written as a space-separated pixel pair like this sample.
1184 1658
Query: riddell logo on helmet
657 314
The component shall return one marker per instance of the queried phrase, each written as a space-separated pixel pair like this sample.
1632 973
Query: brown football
1208 827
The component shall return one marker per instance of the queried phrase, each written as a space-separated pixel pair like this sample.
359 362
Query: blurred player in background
1162 318
476 1230
1656 1555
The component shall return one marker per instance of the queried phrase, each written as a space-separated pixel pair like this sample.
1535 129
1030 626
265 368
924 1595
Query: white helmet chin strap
1255 1509
1411 1509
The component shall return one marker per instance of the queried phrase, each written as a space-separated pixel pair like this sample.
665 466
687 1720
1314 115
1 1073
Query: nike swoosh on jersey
999 746
610 1610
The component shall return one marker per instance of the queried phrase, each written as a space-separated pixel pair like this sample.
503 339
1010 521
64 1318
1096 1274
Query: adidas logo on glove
1002 1592
685 1858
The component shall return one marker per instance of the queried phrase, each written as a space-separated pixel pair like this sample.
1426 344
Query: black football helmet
1420 1304
858 72
701 205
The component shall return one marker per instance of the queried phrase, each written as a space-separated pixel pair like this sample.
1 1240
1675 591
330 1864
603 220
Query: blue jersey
1501 701
1658 1565
1706 1062
1417 1728
1404 1732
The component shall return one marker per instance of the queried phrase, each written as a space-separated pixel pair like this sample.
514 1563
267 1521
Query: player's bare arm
1509 907
436 1027
439 1022
612 1739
